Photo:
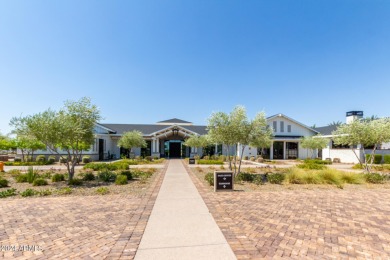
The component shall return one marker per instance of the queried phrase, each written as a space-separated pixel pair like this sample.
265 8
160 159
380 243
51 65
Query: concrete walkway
180 226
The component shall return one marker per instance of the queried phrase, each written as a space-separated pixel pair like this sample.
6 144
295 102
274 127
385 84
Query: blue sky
146 61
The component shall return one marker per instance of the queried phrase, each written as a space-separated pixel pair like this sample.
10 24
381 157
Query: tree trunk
239 166
228 156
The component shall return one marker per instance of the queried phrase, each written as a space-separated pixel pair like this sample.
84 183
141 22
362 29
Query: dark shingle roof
149 129
174 121
326 130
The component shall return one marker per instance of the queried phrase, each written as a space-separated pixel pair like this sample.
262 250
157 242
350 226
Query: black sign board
223 181
191 161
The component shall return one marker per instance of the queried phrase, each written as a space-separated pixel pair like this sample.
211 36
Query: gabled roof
174 121
289 118
326 130
147 130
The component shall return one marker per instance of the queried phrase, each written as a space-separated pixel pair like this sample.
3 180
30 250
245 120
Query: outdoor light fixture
175 131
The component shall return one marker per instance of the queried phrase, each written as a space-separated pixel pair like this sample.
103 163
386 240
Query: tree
131 139
28 145
197 141
314 142
364 133
69 131
235 128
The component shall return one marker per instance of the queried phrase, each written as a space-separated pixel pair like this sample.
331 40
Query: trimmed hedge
386 159
203 161
377 158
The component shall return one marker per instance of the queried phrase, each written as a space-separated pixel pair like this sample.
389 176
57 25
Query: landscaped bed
16 183
293 178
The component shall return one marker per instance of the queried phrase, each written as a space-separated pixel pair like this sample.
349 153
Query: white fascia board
295 121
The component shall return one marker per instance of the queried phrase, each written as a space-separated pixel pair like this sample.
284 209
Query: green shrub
317 161
148 158
45 192
357 166
58 177
141 174
209 177
40 158
222 158
3 183
75 182
64 191
206 157
21 178
128 175
246 158
31 175
258 179
243 176
102 190
39 182
311 166
107 176
120 165
203 161
252 159
86 159
275 178
28 158
121 180
8 193
51 159
377 158
46 175
375 178
88 176
196 157
28 193
17 159
386 159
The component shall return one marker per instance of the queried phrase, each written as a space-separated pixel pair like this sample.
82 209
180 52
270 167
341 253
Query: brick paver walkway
304 224
89 227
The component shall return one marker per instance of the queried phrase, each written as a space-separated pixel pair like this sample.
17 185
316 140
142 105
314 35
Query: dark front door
101 149
278 150
174 150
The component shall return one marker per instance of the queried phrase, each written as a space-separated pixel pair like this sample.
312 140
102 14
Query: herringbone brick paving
80 227
303 224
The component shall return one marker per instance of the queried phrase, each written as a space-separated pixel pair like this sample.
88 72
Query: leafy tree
197 141
131 139
28 145
235 128
364 133
314 142
69 131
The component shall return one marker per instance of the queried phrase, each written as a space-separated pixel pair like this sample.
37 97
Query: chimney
353 115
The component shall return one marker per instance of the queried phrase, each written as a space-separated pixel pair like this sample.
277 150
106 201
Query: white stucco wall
345 155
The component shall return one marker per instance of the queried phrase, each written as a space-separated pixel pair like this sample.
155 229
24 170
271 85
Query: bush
317 161
258 179
3 183
377 158
75 182
148 158
375 178
51 159
128 175
107 176
17 159
386 159
40 158
141 174
352 178
311 166
28 193
209 177
121 180
28 158
203 161
58 177
88 176
331 176
275 178
31 175
39 182
196 157
21 178
206 157
121 165
246 158
252 159
64 191
243 176
86 159
102 190
8 193
44 192
14 172
222 158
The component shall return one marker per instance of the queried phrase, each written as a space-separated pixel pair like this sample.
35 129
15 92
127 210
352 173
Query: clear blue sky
146 61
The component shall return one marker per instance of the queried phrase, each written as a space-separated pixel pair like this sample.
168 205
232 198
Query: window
282 126
275 125
289 128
